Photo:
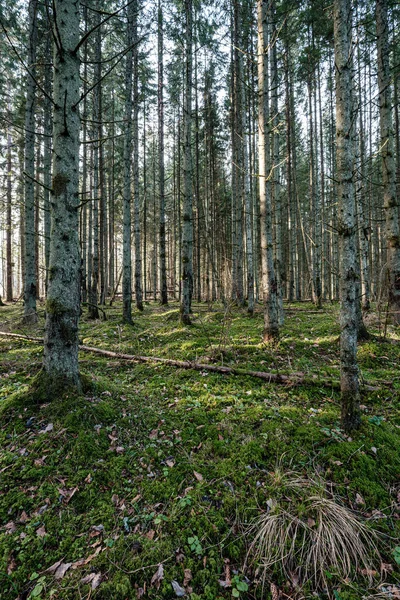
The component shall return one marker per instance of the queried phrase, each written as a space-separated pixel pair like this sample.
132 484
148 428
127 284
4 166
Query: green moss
169 425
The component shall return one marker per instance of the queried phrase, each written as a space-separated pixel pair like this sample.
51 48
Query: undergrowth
146 485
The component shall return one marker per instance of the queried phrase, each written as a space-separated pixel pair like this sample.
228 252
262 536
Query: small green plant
396 554
238 586
39 587
195 545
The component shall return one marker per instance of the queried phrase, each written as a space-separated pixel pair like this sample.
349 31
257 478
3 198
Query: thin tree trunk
391 201
136 196
9 263
126 232
47 127
30 282
161 169
269 283
187 225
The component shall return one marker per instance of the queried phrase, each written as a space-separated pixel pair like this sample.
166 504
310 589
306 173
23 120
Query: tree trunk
187 225
9 286
30 283
127 246
47 126
161 170
62 307
138 254
269 283
391 201
349 384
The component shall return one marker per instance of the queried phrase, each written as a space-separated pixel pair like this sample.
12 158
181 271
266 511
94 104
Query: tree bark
63 297
391 201
187 216
126 232
347 227
269 283
136 196
30 283
161 169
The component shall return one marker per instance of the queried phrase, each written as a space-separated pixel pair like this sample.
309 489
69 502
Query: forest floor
146 485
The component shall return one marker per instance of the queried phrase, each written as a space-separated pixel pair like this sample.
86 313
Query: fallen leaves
10 527
198 476
94 579
47 429
66 495
179 591
41 531
158 577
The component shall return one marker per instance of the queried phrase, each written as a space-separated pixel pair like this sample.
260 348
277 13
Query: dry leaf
61 570
158 577
179 591
24 517
198 476
11 566
41 532
54 567
150 534
359 499
88 578
188 577
88 478
49 427
170 463
96 580
10 527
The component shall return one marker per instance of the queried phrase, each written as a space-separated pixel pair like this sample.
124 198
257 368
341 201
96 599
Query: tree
187 216
161 168
61 369
391 201
347 225
127 192
269 283
30 283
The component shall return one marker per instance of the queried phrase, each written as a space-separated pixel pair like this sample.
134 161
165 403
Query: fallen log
295 378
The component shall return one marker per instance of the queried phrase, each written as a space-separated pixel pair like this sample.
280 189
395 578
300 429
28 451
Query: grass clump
311 539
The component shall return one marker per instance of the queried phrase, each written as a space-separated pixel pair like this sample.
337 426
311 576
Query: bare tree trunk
187 226
275 185
47 127
30 283
136 196
269 283
127 245
62 307
347 227
161 169
9 286
391 201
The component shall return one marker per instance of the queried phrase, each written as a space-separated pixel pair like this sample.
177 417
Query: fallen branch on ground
289 380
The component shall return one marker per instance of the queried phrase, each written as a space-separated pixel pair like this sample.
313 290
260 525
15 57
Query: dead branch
295 378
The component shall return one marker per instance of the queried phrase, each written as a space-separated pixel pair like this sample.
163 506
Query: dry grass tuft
310 537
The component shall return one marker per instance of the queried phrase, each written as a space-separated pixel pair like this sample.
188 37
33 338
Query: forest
199 299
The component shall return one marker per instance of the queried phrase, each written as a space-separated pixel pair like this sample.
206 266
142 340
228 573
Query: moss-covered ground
161 466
